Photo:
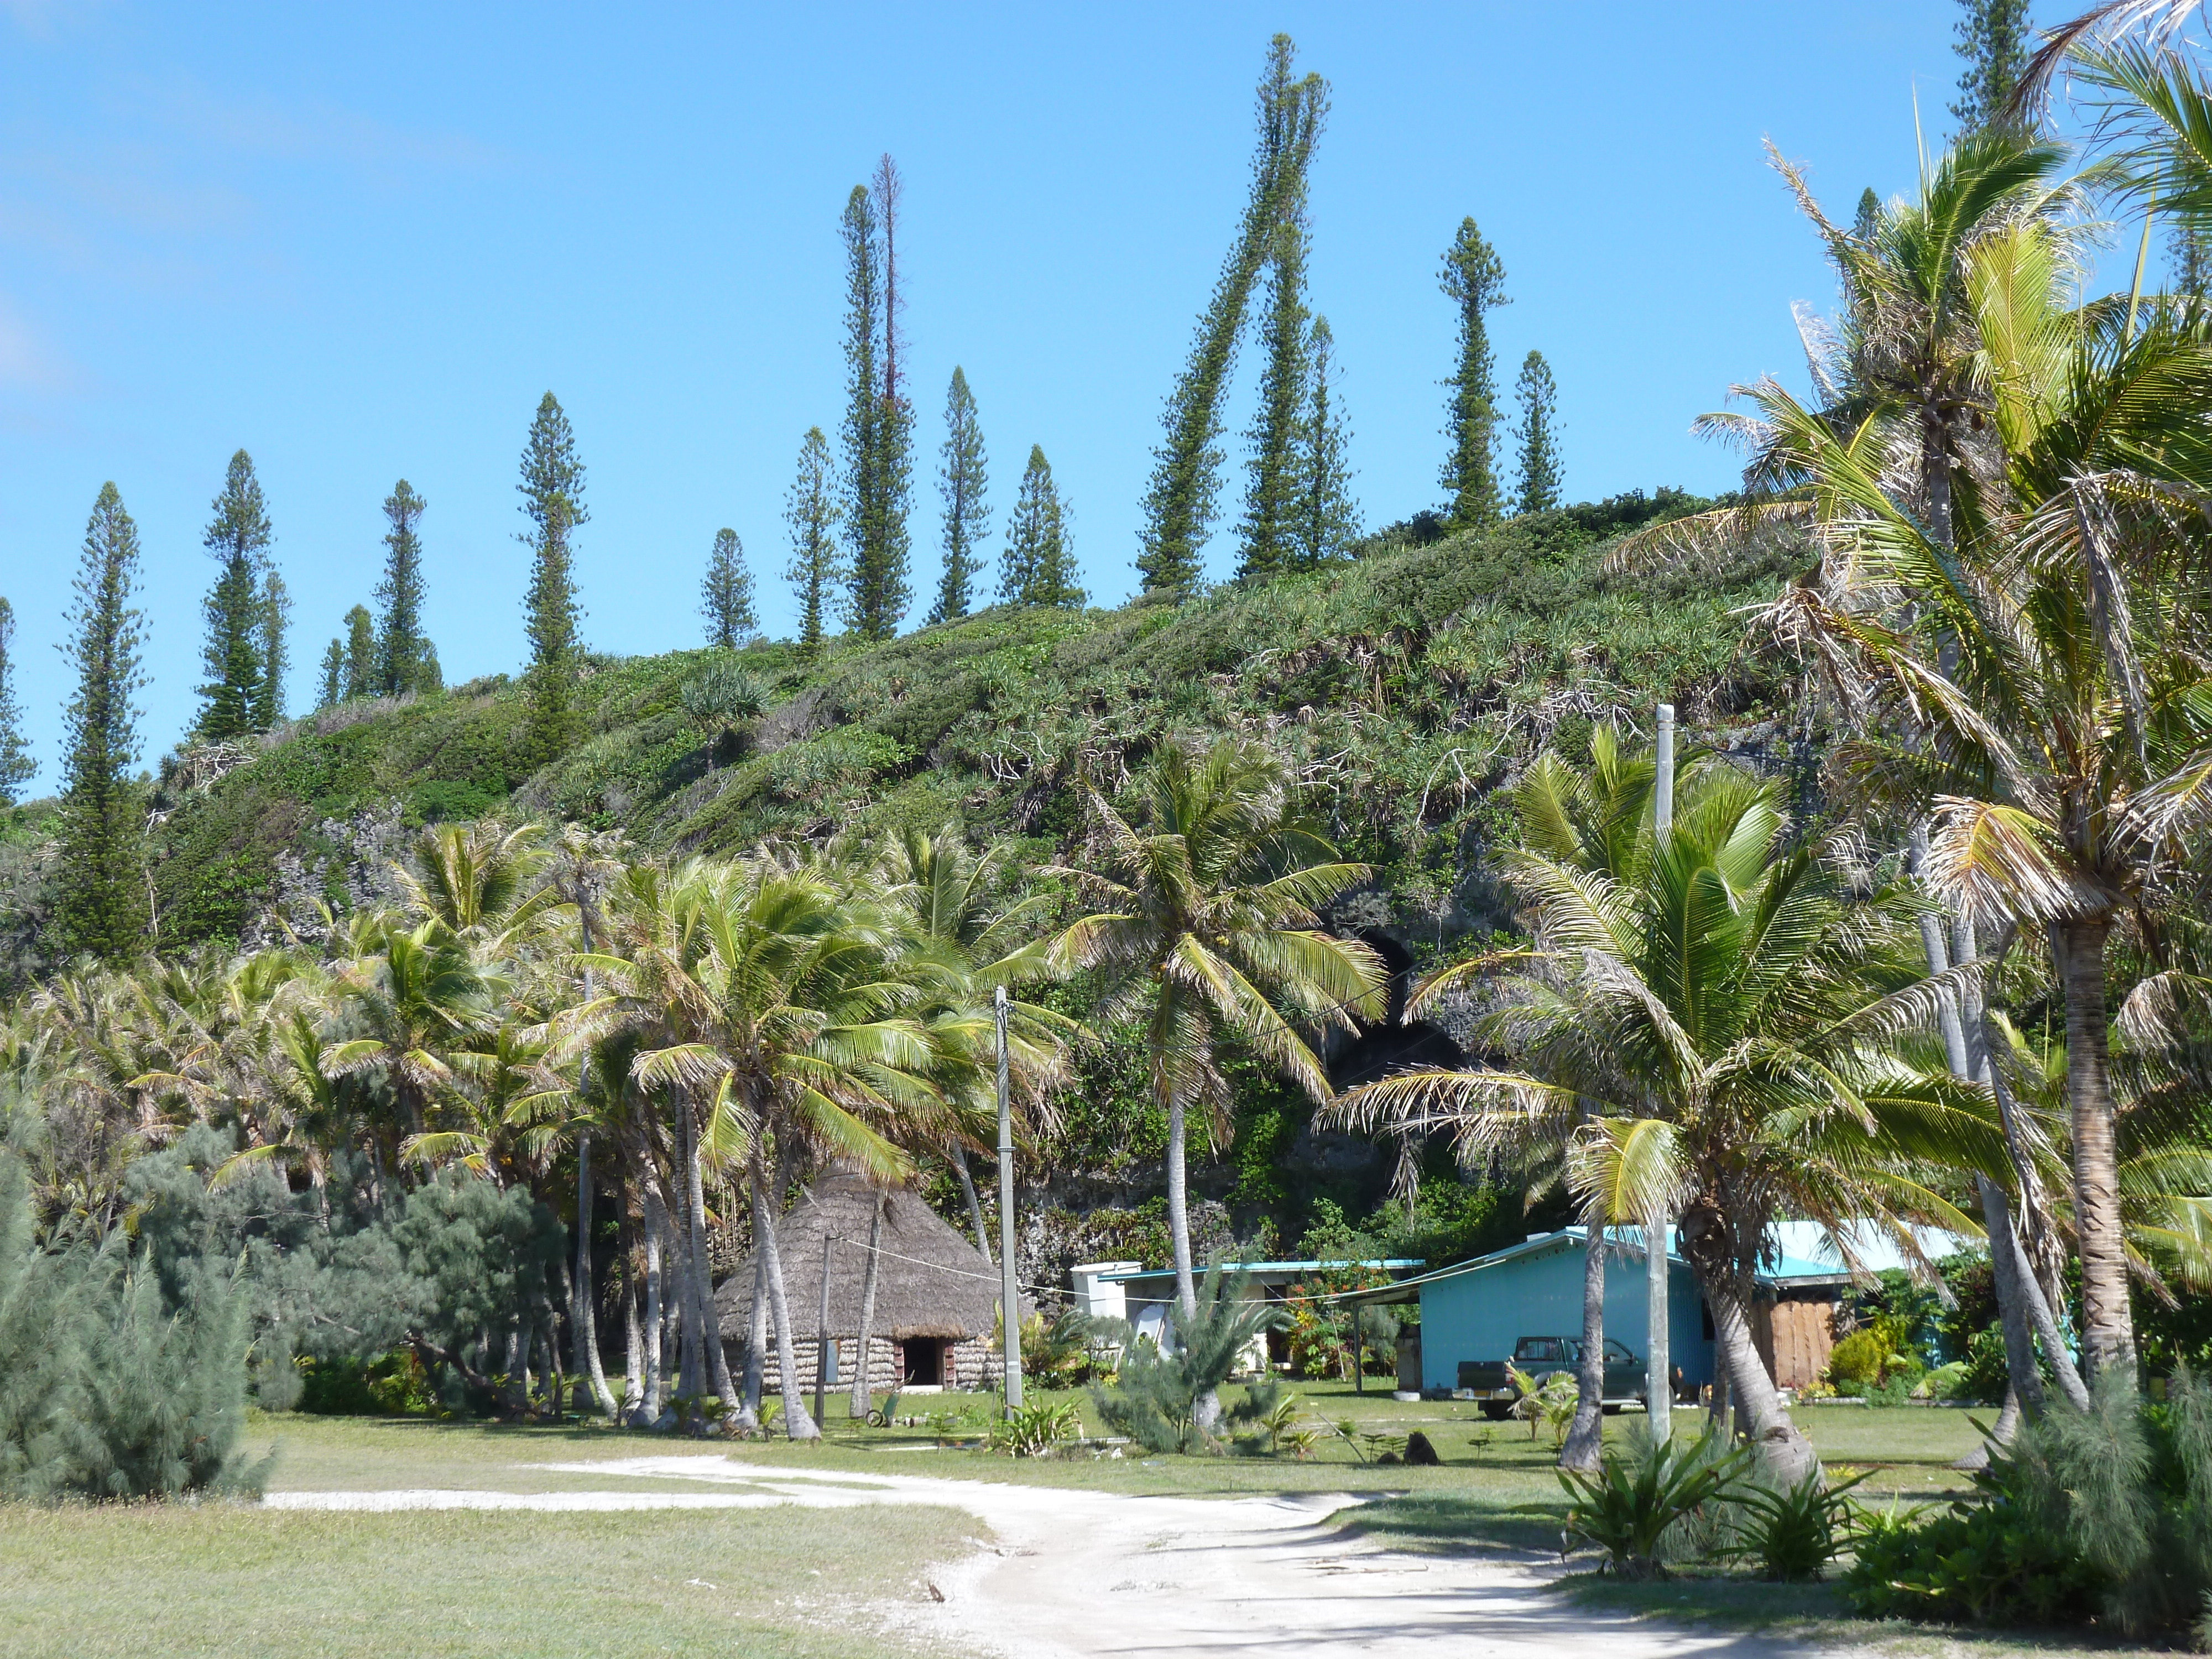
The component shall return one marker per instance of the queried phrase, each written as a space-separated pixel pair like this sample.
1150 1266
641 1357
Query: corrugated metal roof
1784 1272
1391 1264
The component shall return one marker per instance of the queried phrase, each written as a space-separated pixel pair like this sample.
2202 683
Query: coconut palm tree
1207 924
1706 1037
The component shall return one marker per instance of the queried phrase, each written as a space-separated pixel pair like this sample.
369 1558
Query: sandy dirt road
1088 1574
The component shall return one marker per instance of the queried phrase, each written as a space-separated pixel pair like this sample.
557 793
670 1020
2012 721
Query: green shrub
1156 1396
1631 1503
1857 1361
1794 1532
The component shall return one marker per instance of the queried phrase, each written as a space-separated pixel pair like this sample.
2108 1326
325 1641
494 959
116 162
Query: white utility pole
1010 1319
1658 1377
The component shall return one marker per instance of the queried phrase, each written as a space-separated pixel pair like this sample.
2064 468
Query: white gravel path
1090 1575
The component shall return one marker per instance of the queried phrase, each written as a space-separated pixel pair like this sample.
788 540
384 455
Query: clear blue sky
361 242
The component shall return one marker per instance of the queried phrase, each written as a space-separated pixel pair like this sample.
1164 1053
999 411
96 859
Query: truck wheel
1497 1410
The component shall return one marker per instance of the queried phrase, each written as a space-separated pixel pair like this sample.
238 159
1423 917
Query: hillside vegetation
1406 686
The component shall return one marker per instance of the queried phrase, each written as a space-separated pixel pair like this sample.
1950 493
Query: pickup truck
1486 1381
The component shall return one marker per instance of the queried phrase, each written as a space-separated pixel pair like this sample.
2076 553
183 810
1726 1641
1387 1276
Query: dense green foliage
16 766
1474 279
963 479
100 909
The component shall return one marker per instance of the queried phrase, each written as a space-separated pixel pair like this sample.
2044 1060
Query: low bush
1630 1504
1794 1532
1160 1397
2101 1515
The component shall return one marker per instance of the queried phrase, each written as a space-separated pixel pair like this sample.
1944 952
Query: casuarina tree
16 766
101 910
1474 278
401 650
1038 565
725 596
1538 431
552 491
237 538
810 509
961 480
1179 503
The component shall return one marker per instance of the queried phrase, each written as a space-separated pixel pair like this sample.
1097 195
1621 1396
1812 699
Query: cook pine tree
1180 502
725 596
1474 278
235 656
360 668
879 418
1038 564
1328 523
1995 38
101 908
403 653
275 650
1538 431
330 686
16 766
810 509
963 480
552 491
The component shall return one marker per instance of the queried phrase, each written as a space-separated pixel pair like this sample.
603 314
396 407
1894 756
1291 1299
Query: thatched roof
933 1282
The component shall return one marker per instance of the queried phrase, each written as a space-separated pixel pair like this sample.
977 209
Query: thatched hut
937 1295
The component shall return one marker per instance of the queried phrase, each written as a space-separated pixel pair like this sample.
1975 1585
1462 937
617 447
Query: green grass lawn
169 1580
156 1581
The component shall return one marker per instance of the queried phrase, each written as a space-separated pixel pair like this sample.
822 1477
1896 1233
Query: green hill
1406 686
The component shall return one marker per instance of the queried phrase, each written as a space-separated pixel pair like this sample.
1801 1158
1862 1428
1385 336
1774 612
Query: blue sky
361 241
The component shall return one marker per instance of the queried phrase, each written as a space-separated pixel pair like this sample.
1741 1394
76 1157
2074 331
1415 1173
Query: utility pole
1658 1377
1010 1320
825 1345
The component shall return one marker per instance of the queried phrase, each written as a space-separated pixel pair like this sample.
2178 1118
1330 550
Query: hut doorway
921 1361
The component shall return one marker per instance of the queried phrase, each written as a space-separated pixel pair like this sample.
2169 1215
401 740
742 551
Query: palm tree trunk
1585 1440
797 1423
583 1309
633 1400
755 1338
1179 1211
656 1390
860 1401
2108 1337
717 1367
1709 1244
692 1240
975 1203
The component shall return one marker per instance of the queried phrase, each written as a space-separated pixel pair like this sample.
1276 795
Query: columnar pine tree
1275 487
1179 503
401 649
1992 36
2189 254
1538 430
1869 216
1038 565
275 650
332 690
16 766
237 538
1473 277
961 480
878 424
361 678
810 509
725 596
552 491
102 909
1327 520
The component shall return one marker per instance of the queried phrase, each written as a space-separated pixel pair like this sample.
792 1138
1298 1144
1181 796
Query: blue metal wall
1480 1314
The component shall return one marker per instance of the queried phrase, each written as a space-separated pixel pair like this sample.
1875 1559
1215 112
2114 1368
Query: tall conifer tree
16 766
879 422
1992 36
1038 565
360 669
1328 522
233 655
1538 430
1186 484
811 510
275 650
331 690
401 649
1473 277
962 479
1271 503
102 909
552 491
726 595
